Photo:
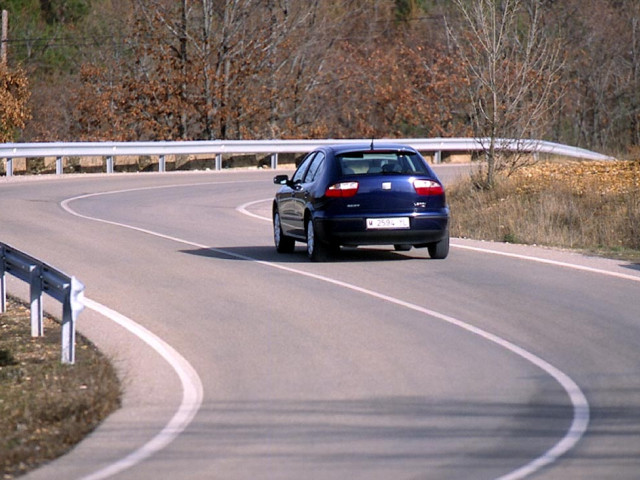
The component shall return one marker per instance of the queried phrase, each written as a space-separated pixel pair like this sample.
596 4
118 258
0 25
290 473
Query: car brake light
428 187
342 190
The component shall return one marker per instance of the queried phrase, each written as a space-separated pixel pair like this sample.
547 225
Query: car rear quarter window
302 169
376 163
314 168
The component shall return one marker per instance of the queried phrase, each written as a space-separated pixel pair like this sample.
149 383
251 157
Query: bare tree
513 69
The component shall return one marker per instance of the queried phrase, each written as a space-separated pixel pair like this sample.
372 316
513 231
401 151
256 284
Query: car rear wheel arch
283 243
317 247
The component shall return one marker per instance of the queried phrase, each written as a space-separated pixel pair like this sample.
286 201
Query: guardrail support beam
274 161
162 164
44 279
59 169
263 147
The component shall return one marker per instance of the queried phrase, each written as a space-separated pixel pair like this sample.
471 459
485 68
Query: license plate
382 223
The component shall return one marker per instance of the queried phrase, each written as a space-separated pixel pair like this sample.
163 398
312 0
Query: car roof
366 147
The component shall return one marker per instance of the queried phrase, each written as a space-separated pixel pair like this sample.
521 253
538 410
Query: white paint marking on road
635 278
244 209
192 393
578 400
557 263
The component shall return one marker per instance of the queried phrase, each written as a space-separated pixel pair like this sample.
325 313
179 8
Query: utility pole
3 44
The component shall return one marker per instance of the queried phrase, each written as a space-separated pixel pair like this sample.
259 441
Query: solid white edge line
578 400
192 393
580 420
557 263
581 410
243 209
635 278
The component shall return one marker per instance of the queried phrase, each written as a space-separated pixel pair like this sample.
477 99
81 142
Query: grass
588 206
47 407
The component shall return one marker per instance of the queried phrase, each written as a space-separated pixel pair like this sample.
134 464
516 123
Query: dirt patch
47 407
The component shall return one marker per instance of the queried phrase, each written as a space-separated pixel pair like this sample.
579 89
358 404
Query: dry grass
47 407
590 206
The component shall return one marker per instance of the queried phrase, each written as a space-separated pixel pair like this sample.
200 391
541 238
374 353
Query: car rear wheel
316 248
439 250
283 243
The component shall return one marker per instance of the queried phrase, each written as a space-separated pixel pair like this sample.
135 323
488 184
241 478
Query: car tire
316 248
439 250
283 243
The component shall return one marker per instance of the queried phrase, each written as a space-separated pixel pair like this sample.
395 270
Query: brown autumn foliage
281 69
404 91
271 74
14 95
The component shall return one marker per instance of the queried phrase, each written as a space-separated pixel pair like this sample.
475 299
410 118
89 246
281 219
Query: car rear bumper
424 228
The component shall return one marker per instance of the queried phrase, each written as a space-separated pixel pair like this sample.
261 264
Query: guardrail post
162 165
59 166
218 161
35 288
9 167
71 307
3 293
437 156
3 282
110 164
274 161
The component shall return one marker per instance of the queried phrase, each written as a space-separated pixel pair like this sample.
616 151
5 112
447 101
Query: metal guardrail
43 278
109 150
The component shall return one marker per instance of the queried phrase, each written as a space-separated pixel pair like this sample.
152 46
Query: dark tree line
567 71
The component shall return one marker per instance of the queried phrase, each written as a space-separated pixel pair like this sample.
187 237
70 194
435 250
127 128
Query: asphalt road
501 361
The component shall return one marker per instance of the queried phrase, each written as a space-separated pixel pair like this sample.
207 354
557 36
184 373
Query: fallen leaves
602 178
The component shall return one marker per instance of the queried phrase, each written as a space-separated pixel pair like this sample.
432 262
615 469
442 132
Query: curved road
501 361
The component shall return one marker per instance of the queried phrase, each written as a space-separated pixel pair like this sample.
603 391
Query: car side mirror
281 179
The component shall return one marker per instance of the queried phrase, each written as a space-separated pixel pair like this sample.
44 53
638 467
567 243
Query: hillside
161 69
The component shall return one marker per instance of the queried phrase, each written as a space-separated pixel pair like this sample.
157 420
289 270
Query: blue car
353 195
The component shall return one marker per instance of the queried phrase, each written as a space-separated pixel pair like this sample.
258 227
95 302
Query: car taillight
342 190
428 187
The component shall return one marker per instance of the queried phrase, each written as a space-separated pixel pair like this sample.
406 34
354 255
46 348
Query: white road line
579 402
243 209
635 278
192 394
557 263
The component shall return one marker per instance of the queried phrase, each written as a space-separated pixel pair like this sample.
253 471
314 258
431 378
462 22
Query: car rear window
376 163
